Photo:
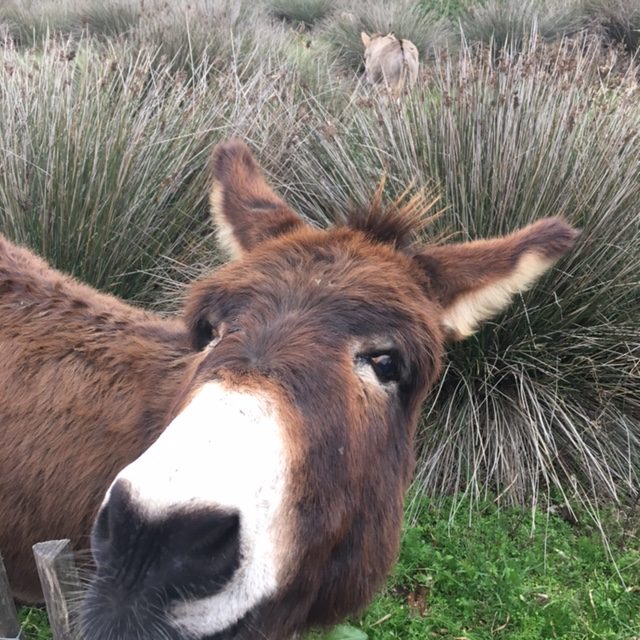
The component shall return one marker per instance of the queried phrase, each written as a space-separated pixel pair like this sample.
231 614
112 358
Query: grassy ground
489 576
490 573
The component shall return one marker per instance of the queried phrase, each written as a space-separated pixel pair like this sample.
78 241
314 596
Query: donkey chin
185 543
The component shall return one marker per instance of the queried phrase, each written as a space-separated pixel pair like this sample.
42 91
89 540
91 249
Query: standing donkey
390 62
256 450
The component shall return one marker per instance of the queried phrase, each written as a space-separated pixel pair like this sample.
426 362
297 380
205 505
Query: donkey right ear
245 209
474 281
366 39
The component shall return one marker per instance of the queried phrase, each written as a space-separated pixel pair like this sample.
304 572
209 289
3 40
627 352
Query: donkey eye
385 365
204 334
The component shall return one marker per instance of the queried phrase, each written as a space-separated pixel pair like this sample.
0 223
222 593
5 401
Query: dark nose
187 550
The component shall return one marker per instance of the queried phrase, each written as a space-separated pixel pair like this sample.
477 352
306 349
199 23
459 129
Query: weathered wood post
59 580
9 624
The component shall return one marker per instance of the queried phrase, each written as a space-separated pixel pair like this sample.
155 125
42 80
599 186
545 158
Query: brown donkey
256 451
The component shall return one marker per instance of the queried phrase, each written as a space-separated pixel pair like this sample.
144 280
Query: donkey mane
399 223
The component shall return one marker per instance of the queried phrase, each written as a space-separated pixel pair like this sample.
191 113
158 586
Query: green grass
488 574
483 572
35 625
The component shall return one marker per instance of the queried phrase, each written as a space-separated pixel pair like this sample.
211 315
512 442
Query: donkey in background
390 62
256 450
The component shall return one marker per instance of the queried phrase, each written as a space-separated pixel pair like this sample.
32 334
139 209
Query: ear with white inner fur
366 39
474 281
245 209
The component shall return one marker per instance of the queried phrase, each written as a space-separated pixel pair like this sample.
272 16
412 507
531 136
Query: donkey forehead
338 272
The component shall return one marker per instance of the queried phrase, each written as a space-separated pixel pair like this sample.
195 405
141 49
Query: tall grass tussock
108 114
617 20
302 12
511 22
105 158
405 18
106 126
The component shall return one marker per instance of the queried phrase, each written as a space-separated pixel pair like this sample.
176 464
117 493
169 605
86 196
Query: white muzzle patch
224 450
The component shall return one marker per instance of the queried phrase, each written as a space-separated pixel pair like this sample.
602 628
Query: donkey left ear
474 281
245 209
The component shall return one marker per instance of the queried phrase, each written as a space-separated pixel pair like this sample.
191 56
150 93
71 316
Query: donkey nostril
203 551
101 526
186 553
212 534
141 550
116 524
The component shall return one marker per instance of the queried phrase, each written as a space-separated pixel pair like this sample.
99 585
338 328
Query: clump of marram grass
30 24
510 23
617 20
546 397
104 162
227 32
404 18
223 34
304 12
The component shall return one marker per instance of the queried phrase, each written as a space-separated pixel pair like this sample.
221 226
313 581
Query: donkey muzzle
145 564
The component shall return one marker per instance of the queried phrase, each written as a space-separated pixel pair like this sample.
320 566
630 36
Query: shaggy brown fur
88 382
85 386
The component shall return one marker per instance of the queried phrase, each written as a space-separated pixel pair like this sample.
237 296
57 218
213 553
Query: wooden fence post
9 624
59 580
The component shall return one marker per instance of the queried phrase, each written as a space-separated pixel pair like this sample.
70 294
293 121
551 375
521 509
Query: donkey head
273 500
